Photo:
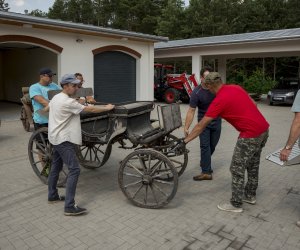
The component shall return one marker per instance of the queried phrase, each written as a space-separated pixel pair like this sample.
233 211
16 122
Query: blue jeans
209 139
64 153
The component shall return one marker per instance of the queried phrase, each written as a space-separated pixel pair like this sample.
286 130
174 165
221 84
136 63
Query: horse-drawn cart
148 176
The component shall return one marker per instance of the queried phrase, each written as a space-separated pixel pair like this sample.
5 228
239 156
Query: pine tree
4 6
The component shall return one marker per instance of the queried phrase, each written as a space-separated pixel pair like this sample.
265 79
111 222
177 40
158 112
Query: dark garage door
115 77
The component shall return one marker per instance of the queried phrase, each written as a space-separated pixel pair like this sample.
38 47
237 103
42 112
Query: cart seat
132 109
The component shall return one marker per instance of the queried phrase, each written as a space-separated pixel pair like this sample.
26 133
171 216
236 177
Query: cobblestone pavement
190 221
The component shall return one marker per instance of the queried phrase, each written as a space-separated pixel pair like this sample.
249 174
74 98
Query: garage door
115 77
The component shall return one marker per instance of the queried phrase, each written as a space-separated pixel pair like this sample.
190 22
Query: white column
222 68
196 65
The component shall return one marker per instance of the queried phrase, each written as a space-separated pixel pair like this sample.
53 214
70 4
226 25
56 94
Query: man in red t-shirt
233 104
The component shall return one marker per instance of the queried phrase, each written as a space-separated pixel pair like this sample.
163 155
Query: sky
20 5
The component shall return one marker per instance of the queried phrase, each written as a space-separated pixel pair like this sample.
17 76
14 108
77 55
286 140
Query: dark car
284 92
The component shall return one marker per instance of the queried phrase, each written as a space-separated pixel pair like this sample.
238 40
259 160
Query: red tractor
170 87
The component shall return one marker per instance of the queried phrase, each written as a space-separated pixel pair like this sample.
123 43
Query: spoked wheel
142 181
25 120
40 156
91 154
180 161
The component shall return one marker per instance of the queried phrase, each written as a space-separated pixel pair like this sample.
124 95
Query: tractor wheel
171 95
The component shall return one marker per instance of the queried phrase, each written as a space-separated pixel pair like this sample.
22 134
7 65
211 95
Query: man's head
46 75
70 84
213 82
205 71
79 77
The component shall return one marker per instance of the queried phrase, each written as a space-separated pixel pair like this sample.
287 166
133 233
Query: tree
58 10
172 23
4 6
37 13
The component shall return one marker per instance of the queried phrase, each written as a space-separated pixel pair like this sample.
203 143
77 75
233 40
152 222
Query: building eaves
27 19
272 35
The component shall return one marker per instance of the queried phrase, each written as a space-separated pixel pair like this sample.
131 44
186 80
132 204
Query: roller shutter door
114 77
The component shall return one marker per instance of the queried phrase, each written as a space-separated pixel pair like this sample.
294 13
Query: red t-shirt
233 104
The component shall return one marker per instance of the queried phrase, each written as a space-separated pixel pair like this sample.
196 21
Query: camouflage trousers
246 157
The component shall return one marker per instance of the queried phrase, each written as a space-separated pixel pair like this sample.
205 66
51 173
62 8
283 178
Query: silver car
284 92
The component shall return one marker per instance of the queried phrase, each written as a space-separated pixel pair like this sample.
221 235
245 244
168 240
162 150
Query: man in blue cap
65 134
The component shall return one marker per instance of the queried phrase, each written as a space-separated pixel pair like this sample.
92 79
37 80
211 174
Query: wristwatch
287 147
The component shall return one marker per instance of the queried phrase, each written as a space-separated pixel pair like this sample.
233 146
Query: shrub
256 83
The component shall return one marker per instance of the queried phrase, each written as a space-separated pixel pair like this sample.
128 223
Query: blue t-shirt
38 89
201 98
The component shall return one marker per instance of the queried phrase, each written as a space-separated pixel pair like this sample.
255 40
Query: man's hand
109 107
81 101
90 99
284 154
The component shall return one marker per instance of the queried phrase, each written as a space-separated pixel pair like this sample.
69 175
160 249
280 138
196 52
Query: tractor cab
160 73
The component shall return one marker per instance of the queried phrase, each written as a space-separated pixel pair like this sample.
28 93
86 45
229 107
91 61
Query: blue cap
69 78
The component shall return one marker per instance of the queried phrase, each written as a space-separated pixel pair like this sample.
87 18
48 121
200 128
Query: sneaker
75 210
251 200
56 199
298 223
230 208
202 177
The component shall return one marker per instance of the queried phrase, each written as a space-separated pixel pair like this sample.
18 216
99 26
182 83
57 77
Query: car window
284 84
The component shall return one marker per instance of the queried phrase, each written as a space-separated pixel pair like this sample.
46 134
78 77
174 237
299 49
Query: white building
274 43
117 64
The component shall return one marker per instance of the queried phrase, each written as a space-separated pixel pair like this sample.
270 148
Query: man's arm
188 120
98 108
198 129
294 135
40 99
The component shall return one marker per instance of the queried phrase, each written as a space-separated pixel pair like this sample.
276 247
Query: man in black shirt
201 98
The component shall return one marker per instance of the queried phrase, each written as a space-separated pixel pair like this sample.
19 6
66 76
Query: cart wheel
40 156
142 181
90 154
180 161
24 119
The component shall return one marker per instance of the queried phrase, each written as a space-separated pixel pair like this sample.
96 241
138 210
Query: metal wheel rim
41 166
140 179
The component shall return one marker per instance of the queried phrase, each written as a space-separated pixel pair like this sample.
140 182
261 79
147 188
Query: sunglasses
48 75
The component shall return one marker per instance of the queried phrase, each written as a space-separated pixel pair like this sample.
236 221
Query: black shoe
75 210
56 199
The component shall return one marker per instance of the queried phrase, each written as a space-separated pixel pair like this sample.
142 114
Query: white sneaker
251 201
230 208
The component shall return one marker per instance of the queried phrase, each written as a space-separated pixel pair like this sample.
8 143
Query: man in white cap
64 134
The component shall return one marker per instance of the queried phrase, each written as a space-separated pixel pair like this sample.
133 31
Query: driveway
190 221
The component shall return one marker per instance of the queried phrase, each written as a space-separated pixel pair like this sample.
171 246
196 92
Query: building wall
78 56
21 69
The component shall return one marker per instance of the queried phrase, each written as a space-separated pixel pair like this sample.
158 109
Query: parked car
284 92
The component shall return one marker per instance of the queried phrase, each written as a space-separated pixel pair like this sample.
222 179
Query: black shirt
201 98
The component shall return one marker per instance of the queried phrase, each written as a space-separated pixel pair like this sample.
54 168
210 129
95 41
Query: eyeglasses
48 75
